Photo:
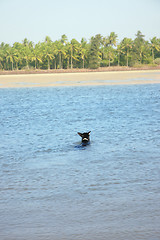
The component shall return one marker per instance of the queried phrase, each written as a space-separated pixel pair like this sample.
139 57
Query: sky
36 19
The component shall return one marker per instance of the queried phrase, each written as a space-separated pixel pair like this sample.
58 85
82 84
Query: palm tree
109 53
48 55
47 50
1 59
62 49
27 48
126 46
119 52
94 52
18 49
74 48
2 54
112 39
25 42
48 39
83 50
61 52
27 55
155 45
64 39
137 46
109 43
68 53
37 55
10 56
54 50
145 53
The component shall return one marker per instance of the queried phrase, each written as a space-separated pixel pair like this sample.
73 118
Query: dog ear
89 132
80 134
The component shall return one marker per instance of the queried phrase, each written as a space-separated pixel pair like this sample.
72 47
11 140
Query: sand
80 79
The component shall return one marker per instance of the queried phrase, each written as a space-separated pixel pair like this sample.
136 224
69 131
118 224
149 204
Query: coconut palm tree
68 53
119 52
10 56
48 39
18 57
46 48
37 55
74 48
109 53
83 50
126 46
64 39
155 45
27 54
138 45
94 52
48 54
112 39
61 52
110 42
2 55
1 59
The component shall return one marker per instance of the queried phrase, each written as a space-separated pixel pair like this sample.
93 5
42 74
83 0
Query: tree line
63 54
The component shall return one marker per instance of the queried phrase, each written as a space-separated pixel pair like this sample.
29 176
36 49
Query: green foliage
94 54
157 61
61 54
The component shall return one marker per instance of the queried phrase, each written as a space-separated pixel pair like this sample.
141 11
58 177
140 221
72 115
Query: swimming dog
85 138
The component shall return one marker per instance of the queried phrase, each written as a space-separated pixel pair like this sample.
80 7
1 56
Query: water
51 189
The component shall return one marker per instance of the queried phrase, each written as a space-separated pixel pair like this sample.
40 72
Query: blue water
51 189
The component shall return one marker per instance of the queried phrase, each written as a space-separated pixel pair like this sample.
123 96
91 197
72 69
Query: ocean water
53 189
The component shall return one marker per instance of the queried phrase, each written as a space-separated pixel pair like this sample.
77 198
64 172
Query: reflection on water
52 188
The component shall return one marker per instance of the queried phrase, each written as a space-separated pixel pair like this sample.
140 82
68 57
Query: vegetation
63 54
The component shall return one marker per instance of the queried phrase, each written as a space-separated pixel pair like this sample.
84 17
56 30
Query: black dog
85 138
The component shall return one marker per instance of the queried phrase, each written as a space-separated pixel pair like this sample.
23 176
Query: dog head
85 137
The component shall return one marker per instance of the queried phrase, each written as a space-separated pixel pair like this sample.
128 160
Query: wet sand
80 79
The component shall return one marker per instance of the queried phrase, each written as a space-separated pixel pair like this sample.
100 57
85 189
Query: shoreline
90 78
75 70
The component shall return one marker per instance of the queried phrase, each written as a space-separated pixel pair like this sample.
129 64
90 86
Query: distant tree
100 51
26 51
61 50
48 39
10 56
139 39
145 53
155 46
47 52
126 46
94 52
68 48
64 39
37 55
1 60
25 42
74 49
137 46
108 43
18 56
112 39
83 50
2 55
109 54
119 52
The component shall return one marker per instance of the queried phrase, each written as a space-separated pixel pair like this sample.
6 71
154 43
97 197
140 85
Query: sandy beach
80 79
